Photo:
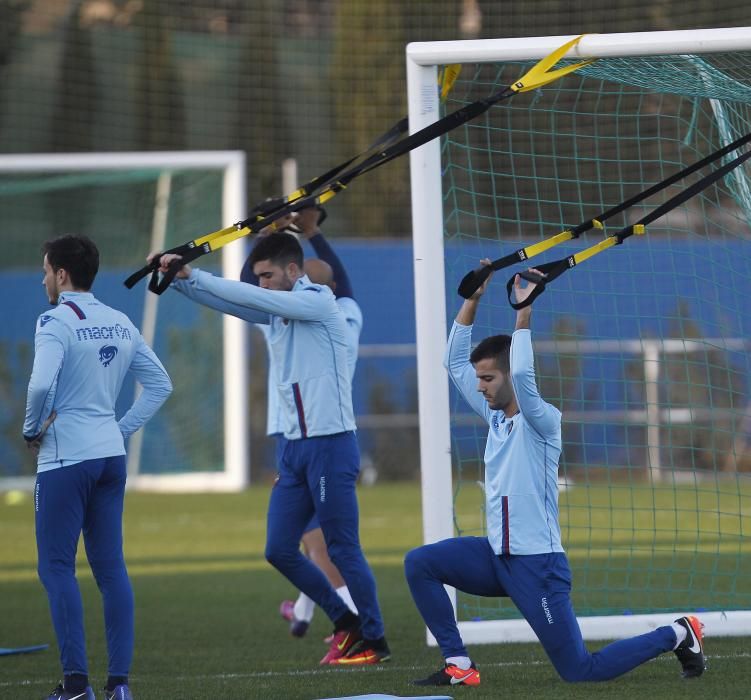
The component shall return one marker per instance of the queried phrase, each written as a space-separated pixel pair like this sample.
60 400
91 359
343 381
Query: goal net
129 204
644 347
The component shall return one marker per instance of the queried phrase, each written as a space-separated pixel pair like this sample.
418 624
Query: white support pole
151 301
427 223
652 400
289 174
236 375
432 381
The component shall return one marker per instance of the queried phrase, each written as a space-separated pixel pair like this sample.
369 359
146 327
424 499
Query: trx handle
138 275
153 266
474 279
549 271
158 284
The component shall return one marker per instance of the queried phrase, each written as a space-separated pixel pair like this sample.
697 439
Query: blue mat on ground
378 696
23 650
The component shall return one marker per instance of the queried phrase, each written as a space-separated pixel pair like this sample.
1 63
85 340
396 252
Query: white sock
347 598
304 608
680 634
462 662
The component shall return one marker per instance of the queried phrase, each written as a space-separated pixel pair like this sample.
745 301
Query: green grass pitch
208 623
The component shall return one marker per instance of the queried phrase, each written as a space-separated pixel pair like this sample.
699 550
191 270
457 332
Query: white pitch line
363 669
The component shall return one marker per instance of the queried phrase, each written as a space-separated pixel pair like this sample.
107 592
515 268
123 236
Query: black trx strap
267 207
323 188
555 269
474 279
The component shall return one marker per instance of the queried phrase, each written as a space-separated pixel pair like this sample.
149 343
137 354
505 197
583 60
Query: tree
368 83
261 127
161 114
76 111
11 21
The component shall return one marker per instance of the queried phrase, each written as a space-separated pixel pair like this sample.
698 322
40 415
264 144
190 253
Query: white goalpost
434 201
171 190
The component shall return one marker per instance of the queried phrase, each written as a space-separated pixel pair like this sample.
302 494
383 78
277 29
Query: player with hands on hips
83 351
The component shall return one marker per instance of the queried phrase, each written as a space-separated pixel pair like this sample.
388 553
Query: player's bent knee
578 673
281 557
53 572
414 562
344 555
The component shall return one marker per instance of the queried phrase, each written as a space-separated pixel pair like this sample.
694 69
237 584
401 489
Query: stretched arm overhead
326 253
206 298
458 350
544 418
307 221
460 369
306 305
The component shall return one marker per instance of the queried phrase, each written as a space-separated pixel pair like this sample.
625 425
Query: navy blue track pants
317 476
85 497
540 587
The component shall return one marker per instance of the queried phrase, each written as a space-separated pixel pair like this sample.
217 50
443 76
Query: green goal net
127 212
644 347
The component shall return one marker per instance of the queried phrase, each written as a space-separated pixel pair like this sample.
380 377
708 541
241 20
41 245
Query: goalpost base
716 624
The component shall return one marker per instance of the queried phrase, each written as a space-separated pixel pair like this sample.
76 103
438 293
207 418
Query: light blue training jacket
83 350
521 452
308 338
274 414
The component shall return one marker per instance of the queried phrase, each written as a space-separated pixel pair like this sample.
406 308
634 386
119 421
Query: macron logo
546 610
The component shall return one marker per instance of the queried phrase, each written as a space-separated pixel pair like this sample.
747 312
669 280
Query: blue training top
521 452
308 339
83 350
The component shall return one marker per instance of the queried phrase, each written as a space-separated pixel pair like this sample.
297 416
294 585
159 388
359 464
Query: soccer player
319 465
83 350
521 557
328 270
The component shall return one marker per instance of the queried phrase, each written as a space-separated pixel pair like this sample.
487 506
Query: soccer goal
130 204
645 347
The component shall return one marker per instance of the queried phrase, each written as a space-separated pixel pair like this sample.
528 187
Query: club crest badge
107 354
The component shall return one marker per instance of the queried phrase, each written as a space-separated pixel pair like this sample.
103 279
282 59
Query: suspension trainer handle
549 271
159 286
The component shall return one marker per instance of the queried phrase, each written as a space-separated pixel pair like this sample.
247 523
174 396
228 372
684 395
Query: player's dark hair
77 255
496 347
279 249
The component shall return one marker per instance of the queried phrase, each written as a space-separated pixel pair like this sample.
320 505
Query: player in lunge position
521 557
